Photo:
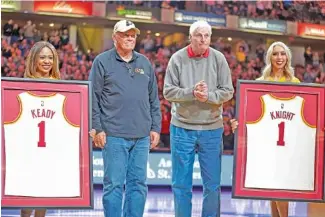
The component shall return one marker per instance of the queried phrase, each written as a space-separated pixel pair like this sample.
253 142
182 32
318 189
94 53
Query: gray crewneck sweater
181 76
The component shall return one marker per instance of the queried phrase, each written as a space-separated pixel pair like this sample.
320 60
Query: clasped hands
201 91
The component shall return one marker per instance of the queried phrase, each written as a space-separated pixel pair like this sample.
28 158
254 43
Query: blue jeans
208 144
125 160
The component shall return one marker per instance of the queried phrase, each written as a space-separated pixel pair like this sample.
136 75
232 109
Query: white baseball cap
125 25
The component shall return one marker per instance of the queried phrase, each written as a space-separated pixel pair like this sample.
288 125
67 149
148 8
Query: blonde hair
32 58
288 69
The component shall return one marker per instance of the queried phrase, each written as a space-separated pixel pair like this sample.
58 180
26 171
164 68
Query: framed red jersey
46 150
279 143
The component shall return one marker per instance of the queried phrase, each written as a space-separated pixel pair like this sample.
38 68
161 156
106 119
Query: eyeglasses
125 35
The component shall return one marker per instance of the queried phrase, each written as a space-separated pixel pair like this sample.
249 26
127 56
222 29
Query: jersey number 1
281 134
41 135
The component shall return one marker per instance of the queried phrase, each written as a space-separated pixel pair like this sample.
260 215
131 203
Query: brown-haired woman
42 62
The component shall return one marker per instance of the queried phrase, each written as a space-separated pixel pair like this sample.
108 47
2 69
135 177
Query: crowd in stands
74 64
291 10
244 62
301 11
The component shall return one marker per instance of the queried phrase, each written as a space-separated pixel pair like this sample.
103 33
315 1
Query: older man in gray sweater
197 82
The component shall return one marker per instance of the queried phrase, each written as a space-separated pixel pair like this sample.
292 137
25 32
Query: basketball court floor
160 204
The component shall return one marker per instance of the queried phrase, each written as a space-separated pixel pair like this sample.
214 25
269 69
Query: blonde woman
278 68
42 62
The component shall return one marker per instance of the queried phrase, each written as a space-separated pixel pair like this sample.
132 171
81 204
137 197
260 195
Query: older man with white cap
126 120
